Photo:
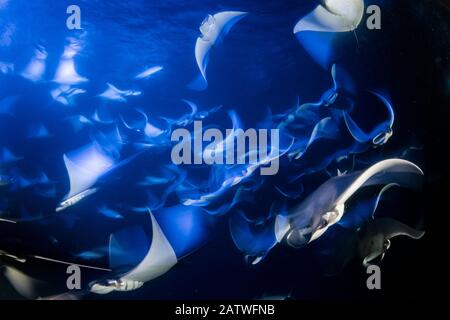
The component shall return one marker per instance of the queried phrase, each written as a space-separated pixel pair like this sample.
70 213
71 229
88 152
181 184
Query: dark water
259 66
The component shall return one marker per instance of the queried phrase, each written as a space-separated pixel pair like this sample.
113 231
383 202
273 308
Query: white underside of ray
85 167
160 258
65 94
115 94
35 69
66 73
212 28
333 16
151 131
202 48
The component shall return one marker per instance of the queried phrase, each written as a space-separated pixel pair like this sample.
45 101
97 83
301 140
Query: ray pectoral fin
25 285
382 173
342 80
376 238
394 228
227 19
324 21
202 48
130 249
357 133
363 210
373 259
331 17
281 227
159 259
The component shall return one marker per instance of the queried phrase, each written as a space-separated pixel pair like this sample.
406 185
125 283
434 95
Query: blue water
261 71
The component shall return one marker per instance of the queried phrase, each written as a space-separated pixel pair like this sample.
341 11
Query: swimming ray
66 94
109 213
149 72
66 73
134 119
112 93
89 255
159 259
234 175
378 135
35 69
326 205
151 131
79 122
213 29
333 16
186 119
102 116
324 129
375 238
85 166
